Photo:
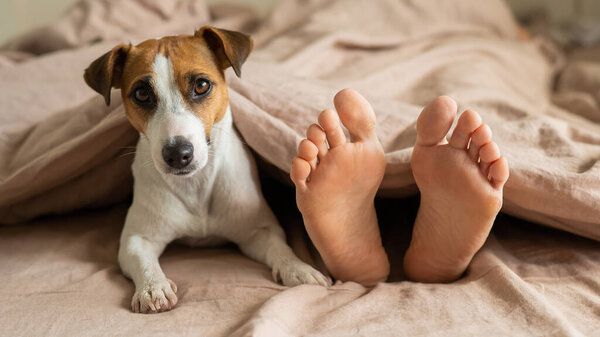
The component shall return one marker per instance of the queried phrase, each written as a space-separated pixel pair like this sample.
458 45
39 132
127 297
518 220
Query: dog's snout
178 152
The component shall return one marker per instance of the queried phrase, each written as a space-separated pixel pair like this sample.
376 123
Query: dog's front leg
267 245
138 258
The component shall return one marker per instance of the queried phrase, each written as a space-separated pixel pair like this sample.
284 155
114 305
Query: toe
172 298
356 115
308 151
151 306
480 137
316 135
468 122
173 285
498 173
146 304
488 153
159 300
435 120
331 125
299 172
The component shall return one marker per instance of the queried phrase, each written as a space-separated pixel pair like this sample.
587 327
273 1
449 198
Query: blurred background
18 16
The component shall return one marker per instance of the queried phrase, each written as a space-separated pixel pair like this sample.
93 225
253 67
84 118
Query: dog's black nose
178 152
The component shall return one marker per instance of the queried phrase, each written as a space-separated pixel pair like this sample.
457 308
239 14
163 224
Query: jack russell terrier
194 179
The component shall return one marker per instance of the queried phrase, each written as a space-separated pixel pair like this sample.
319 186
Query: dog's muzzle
178 152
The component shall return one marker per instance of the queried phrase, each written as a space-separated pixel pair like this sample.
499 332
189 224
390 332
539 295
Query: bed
65 183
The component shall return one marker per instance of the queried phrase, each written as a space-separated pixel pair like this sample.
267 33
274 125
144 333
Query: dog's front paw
293 273
154 296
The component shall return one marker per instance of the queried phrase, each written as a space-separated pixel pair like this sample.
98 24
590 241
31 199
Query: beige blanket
63 150
399 54
60 277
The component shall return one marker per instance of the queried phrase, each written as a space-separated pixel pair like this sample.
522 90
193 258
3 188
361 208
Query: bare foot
336 186
461 192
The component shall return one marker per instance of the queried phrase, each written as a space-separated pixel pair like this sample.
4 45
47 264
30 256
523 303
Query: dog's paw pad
155 296
297 273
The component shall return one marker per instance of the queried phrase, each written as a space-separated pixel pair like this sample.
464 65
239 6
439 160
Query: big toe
356 114
435 120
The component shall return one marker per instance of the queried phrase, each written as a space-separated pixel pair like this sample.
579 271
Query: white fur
171 118
221 201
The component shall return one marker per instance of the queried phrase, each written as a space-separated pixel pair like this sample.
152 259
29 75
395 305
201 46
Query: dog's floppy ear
231 48
105 72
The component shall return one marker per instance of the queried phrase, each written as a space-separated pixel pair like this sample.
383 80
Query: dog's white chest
213 202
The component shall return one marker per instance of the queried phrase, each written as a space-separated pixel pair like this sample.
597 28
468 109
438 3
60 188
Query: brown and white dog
194 179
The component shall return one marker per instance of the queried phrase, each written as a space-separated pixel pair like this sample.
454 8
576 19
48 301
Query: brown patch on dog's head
197 60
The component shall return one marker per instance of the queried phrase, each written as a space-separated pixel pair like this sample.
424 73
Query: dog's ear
105 72
231 48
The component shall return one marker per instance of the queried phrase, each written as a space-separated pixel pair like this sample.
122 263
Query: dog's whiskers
126 154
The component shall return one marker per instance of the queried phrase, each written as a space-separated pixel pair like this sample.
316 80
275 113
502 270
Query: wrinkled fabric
59 277
63 150
400 56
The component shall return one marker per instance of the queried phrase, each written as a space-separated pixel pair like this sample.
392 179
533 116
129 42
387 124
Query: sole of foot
336 181
461 184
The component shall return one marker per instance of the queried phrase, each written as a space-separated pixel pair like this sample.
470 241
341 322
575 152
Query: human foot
461 185
336 186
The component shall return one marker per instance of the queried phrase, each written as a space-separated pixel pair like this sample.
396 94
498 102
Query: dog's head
173 90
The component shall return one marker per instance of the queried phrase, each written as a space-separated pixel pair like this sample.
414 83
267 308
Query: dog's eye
142 95
201 86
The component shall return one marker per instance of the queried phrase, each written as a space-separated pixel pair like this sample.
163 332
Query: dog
194 180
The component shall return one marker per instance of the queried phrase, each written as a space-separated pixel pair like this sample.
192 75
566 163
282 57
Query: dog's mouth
183 172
